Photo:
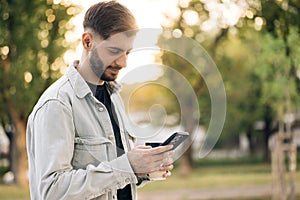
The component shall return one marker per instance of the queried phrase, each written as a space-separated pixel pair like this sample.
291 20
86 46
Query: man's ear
87 40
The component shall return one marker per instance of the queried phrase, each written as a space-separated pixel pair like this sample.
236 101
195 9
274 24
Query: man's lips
114 70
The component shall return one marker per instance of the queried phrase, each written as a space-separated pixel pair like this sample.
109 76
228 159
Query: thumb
143 147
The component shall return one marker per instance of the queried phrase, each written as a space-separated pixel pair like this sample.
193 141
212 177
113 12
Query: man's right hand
145 159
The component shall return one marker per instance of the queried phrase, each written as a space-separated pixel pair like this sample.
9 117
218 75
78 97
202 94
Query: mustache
114 67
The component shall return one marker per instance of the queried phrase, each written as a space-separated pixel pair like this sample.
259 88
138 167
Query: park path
212 193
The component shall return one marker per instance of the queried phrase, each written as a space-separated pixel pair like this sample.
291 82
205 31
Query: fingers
161 149
166 168
143 147
167 164
162 156
145 159
167 174
155 150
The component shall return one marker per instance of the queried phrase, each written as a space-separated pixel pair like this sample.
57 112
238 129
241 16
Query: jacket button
111 137
101 109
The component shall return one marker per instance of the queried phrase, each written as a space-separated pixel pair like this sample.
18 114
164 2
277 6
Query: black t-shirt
102 94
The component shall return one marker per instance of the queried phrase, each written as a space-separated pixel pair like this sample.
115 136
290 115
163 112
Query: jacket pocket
90 151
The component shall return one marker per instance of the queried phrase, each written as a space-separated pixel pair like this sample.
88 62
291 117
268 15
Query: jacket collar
80 86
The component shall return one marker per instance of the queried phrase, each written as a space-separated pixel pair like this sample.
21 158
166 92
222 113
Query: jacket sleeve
51 135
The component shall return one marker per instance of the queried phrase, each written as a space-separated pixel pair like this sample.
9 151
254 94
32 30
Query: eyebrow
119 49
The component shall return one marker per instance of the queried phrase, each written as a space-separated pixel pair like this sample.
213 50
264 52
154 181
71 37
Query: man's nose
122 60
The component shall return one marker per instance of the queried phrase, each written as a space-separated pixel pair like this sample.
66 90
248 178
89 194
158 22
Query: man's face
109 56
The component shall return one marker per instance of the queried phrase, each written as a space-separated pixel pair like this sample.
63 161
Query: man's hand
145 159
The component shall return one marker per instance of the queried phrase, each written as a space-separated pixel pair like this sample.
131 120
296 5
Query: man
79 143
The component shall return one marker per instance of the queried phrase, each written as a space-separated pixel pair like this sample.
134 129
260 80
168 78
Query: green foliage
258 57
273 67
32 43
280 16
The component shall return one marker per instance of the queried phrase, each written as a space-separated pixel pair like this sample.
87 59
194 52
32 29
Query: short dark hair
110 17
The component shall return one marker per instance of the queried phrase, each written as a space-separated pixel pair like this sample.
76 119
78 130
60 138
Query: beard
99 69
108 77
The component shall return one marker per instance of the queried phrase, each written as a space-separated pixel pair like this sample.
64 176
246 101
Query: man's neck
87 74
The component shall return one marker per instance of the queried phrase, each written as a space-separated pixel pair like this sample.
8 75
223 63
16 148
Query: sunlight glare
224 14
191 17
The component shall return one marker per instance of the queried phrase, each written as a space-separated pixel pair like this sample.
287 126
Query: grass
206 174
222 175
12 192
216 174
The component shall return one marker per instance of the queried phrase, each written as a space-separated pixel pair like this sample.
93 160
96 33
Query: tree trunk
268 129
186 161
18 142
249 134
19 156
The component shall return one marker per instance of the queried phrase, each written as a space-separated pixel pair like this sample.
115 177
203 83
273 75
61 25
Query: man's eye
115 51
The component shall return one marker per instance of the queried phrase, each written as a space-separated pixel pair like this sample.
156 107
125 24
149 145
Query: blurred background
255 45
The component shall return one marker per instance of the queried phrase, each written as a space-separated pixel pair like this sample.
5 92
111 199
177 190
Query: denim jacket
71 145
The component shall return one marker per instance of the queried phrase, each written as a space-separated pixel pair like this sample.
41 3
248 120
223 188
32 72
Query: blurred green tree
254 45
277 62
32 43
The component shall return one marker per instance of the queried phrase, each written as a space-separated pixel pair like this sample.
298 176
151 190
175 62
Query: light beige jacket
71 145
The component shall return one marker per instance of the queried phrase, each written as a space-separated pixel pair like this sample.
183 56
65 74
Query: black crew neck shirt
101 93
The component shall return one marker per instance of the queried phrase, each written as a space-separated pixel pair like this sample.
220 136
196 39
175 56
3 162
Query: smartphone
175 139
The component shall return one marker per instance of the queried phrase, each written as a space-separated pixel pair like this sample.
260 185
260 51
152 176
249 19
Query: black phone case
175 139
